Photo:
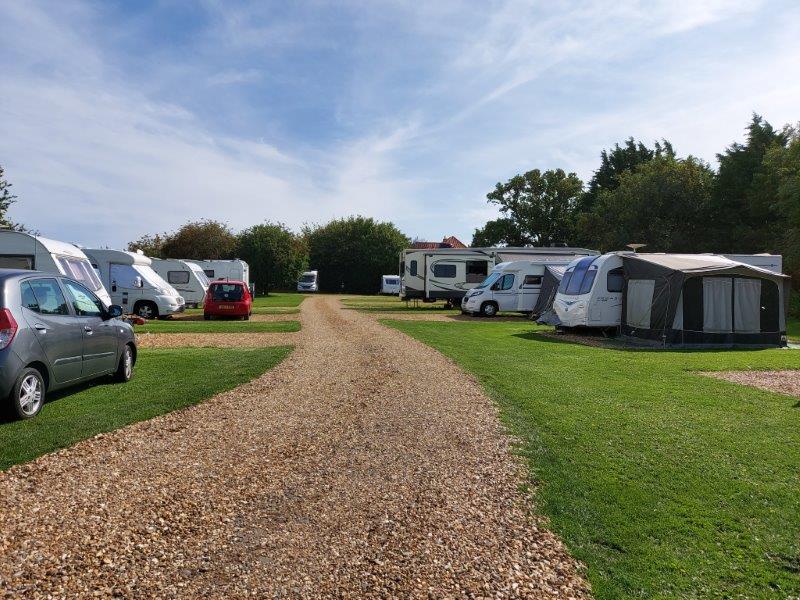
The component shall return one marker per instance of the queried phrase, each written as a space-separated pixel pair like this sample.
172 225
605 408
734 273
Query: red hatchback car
227 299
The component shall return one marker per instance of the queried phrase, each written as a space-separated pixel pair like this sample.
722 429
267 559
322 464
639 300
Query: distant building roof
448 242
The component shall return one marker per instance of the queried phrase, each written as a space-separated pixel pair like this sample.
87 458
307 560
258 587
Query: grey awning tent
543 310
702 300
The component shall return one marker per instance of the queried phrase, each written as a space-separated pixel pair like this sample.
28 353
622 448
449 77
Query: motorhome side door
529 288
504 291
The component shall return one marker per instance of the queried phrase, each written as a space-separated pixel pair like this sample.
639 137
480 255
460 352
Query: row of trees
351 254
750 203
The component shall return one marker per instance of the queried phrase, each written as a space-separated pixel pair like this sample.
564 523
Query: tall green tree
500 232
276 256
351 254
151 245
540 204
201 239
742 217
663 203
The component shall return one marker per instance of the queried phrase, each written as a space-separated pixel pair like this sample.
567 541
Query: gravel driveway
365 465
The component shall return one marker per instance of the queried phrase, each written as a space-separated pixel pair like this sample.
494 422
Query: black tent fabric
543 312
702 300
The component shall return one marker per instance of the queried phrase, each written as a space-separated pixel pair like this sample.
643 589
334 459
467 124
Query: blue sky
124 118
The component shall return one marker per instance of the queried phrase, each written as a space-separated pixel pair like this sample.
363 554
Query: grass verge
663 482
184 326
279 299
165 380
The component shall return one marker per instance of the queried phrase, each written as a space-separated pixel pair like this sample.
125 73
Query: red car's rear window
227 292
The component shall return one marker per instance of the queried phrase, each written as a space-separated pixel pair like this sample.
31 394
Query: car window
507 282
230 292
178 277
49 297
85 303
28 297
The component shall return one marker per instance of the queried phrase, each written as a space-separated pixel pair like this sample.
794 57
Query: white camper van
186 277
590 294
390 284
224 269
511 286
134 285
448 273
308 282
20 250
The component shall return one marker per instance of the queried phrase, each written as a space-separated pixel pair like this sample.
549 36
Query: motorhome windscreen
231 292
81 270
582 278
308 278
490 280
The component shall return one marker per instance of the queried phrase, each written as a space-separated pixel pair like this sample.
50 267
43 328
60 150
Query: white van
134 285
224 269
308 282
511 287
186 277
390 284
20 250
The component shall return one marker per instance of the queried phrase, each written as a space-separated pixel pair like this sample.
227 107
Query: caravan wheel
488 309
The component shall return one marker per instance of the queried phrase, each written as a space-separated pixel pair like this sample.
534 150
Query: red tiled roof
453 242
448 242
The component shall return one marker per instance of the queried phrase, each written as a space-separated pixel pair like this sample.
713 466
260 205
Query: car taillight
8 328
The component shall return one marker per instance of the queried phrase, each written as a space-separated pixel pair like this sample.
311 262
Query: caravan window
178 277
16 262
81 270
588 280
532 280
444 271
562 288
477 270
209 272
413 268
615 281
576 284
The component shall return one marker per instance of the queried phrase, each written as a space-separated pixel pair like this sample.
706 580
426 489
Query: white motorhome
390 284
20 250
511 287
448 273
134 285
224 269
186 277
590 294
308 282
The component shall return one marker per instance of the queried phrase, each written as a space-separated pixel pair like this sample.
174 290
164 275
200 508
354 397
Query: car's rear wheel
146 310
125 369
489 309
27 395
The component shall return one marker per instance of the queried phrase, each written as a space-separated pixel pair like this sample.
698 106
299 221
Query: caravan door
529 289
504 292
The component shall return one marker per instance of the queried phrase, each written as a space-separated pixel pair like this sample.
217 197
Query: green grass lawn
793 329
665 483
256 310
164 380
393 304
279 299
185 326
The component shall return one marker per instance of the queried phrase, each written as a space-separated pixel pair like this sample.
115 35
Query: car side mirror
114 311
138 282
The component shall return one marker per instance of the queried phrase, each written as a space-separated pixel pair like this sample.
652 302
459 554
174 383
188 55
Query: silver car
55 333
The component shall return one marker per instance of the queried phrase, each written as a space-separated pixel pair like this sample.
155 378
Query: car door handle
40 327
87 329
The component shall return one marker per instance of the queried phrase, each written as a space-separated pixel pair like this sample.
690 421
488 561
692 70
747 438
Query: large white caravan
511 286
20 250
308 282
448 273
186 277
590 294
224 269
134 285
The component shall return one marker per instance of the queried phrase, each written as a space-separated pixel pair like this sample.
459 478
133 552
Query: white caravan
186 277
448 273
390 284
134 285
511 286
590 294
224 269
20 250
308 282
